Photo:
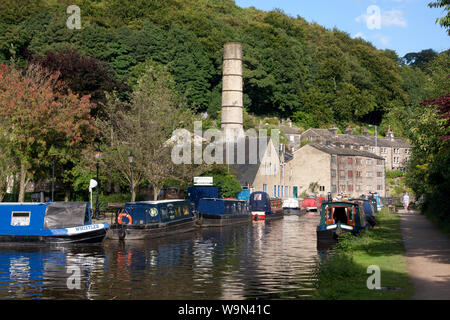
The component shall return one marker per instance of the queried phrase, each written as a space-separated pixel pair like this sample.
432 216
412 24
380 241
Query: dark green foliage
291 68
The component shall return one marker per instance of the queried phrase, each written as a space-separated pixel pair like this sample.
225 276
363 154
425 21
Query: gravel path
427 256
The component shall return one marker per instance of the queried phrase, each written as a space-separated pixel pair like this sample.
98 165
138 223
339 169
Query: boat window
340 215
163 212
20 219
178 211
185 210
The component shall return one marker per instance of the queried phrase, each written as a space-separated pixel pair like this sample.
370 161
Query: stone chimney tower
232 84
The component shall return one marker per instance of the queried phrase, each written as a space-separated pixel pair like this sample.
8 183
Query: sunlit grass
344 275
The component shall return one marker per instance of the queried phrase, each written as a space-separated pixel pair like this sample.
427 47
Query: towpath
427 257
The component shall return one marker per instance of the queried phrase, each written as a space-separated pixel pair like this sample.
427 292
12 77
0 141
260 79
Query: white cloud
384 40
359 35
393 18
389 18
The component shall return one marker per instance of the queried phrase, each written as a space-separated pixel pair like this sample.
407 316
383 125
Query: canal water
268 260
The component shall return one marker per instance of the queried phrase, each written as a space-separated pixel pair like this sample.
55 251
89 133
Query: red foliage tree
39 116
443 107
82 74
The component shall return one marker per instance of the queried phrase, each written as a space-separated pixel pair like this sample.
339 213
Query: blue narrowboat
221 212
152 219
50 222
265 208
215 211
370 209
339 217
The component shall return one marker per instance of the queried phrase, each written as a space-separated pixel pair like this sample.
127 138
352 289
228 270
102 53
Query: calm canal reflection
274 259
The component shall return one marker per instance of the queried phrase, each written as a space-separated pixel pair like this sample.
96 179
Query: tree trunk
155 193
23 181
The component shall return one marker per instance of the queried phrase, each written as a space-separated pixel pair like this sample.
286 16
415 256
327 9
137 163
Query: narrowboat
369 210
152 219
264 208
215 212
309 204
339 217
50 222
292 206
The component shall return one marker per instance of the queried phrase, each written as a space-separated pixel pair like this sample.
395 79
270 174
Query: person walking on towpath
406 202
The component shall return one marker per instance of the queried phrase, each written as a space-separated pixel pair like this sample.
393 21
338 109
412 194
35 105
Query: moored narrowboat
264 208
152 219
50 222
292 206
221 212
340 217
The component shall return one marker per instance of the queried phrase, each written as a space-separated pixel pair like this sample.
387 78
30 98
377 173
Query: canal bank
343 274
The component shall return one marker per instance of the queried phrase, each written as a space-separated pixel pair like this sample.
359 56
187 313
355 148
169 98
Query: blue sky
401 25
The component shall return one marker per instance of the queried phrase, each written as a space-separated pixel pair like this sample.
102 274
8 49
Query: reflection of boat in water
265 208
46 272
340 217
51 222
152 219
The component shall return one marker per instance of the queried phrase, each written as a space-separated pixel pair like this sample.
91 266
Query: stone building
394 151
336 170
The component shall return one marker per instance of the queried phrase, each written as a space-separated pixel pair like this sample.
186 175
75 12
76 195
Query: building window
407 151
396 159
379 174
379 162
333 173
369 174
350 173
333 189
321 188
333 159
286 191
350 188
396 150
358 187
341 174
265 187
349 160
342 188
358 174
379 187
281 170
368 187
274 191
383 150
358 161
369 162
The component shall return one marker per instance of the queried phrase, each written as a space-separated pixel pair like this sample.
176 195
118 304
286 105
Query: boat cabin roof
158 201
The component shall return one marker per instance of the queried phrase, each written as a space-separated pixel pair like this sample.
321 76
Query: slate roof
345 151
246 172
358 140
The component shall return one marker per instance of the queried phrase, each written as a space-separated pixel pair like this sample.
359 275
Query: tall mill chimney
232 83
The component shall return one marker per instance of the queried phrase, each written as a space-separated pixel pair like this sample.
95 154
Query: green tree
444 21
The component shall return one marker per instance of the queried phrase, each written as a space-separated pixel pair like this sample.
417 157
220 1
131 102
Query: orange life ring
124 214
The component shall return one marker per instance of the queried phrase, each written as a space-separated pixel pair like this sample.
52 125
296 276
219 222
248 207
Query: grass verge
343 275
